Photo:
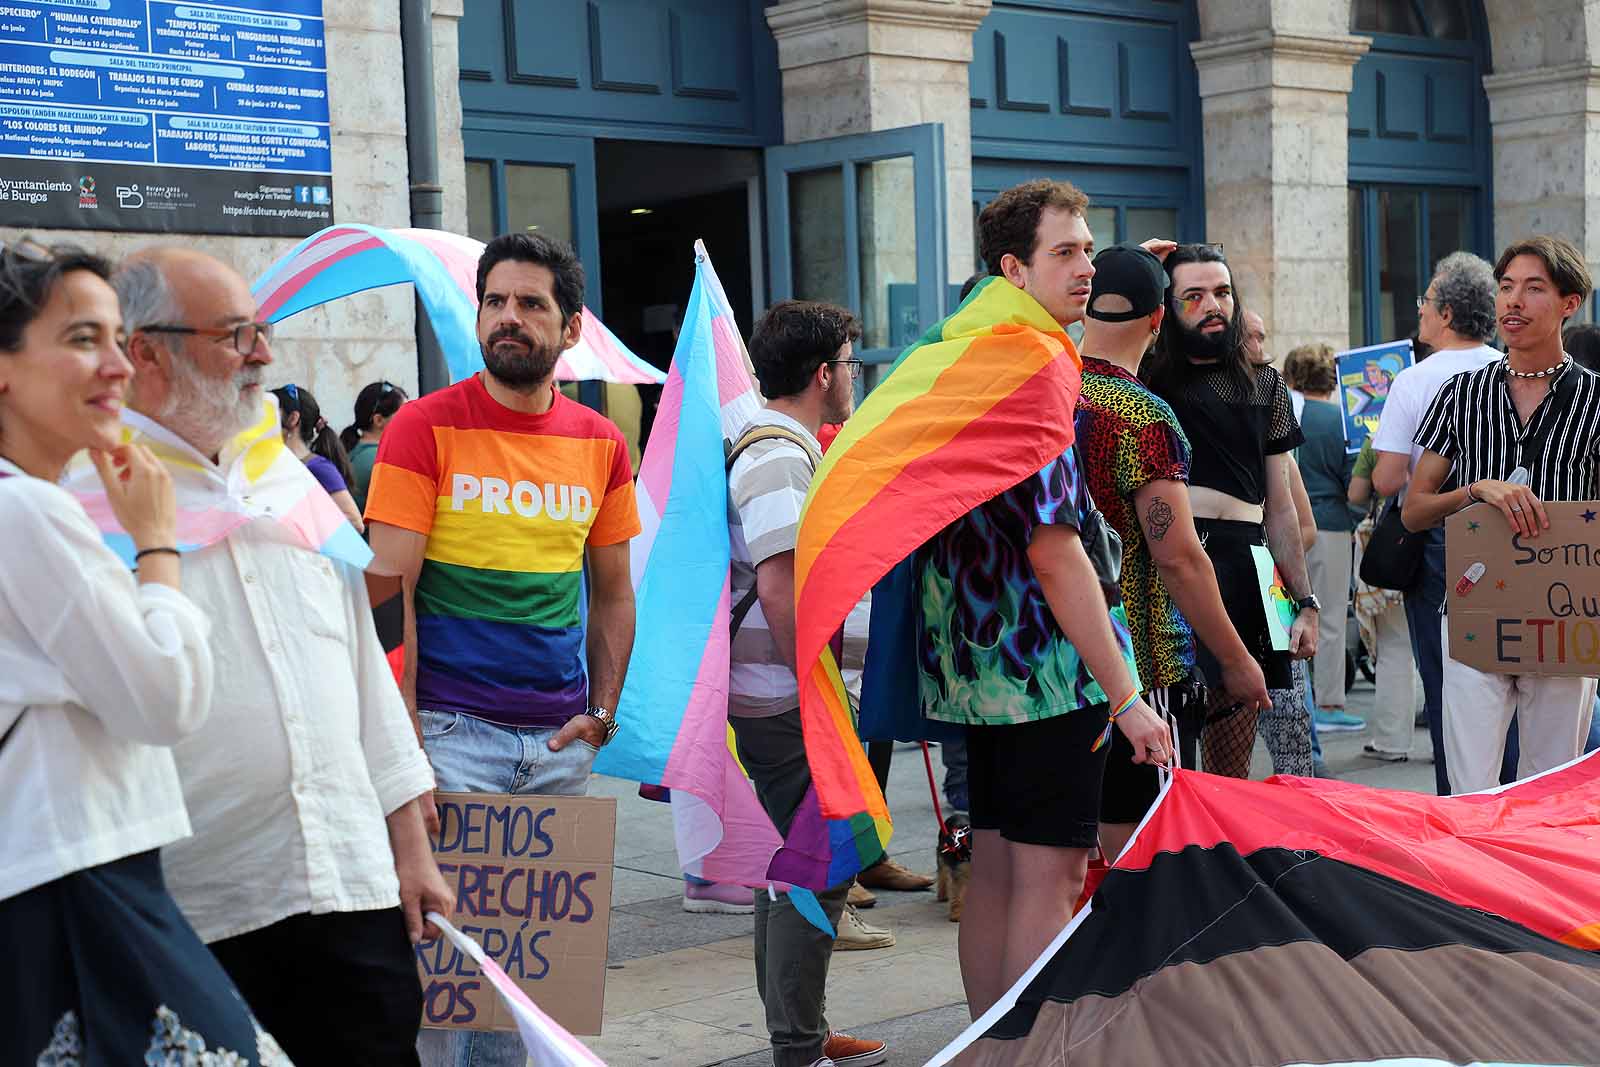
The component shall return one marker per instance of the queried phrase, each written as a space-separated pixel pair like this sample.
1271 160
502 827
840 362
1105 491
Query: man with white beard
309 869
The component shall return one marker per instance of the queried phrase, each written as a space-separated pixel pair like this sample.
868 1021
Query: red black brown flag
1302 921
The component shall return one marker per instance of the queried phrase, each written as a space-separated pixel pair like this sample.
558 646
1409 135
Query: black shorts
1228 543
1037 782
1130 788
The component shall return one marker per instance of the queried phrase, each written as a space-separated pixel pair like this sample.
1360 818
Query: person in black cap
1136 459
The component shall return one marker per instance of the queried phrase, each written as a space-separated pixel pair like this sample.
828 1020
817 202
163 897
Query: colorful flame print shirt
990 652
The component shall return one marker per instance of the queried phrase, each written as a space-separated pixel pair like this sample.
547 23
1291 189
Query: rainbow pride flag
674 706
983 400
255 476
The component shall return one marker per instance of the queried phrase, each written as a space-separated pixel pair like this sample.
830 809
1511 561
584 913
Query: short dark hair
28 275
1010 222
1582 342
1563 262
546 252
793 338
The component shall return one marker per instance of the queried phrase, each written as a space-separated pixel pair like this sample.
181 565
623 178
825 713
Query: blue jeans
954 754
472 755
1427 646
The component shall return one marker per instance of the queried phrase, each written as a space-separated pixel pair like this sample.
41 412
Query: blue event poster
1364 378
164 116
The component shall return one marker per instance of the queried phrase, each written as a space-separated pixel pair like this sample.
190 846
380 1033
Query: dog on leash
953 862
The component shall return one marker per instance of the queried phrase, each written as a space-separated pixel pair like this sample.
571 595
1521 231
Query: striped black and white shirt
1473 423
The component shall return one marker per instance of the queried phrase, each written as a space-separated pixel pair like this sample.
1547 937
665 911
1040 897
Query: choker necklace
1547 372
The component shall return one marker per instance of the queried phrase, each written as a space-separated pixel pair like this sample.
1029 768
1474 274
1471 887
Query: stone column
1546 124
1276 111
853 66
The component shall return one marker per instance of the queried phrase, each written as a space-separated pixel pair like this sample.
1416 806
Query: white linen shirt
1411 395
104 674
307 750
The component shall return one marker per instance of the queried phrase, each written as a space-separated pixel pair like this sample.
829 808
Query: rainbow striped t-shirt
508 502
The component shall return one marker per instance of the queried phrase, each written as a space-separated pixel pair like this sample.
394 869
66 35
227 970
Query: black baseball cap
1132 273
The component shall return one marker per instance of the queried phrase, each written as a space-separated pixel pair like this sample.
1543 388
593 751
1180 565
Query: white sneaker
824 1062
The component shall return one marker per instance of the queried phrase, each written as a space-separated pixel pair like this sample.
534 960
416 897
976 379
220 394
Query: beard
514 367
207 412
1206 347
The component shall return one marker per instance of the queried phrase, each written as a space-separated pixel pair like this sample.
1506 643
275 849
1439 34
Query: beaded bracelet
1105 735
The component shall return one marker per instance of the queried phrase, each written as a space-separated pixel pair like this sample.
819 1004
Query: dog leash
951 841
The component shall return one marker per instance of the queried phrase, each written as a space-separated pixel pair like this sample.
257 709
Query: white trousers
1394 707
1552 712
1329 563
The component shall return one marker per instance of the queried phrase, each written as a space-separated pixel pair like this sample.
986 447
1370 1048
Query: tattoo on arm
1158 519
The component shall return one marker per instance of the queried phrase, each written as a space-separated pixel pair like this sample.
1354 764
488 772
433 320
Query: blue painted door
859 221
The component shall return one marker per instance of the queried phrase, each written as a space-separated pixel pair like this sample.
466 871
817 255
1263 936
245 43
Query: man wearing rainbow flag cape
963 460
309 869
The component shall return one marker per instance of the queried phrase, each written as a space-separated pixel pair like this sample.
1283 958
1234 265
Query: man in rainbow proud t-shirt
486 498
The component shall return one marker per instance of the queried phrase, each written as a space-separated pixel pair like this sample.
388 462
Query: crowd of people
222 795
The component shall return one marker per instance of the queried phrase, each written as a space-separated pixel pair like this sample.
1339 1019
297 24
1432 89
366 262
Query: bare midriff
1215 504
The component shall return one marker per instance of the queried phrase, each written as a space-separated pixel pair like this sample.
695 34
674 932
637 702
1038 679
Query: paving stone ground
680 990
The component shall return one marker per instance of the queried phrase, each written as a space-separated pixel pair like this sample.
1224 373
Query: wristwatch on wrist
1308 602
608 719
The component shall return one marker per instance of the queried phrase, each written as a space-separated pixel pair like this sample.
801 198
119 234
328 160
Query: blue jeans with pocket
472 755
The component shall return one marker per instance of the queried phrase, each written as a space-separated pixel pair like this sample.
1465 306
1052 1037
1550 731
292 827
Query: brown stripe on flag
1302 1003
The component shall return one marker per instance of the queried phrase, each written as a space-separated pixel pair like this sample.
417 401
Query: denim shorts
472 755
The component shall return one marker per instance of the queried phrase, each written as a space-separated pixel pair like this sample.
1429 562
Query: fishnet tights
1228 740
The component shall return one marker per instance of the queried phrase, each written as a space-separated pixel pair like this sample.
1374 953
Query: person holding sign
492 500
1512 435
310 869
103 671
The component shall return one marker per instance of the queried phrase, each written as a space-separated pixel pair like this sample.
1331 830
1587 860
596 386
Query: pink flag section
548 1043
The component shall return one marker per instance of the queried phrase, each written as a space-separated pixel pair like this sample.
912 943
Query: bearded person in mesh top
1239 419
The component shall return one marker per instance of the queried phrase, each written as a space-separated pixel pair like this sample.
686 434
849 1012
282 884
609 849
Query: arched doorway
1419 146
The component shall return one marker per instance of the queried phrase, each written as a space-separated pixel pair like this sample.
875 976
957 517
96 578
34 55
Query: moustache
510 333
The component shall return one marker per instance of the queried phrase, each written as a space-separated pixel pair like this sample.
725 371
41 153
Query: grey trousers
792 956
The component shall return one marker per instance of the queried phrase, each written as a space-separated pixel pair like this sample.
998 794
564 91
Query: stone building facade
1335 148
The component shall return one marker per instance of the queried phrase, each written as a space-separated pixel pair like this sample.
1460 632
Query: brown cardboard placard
532 879
1534 608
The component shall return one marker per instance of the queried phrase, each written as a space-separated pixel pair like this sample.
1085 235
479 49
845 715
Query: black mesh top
1233 426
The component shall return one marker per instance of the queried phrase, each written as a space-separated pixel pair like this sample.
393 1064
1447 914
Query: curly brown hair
1010 222
1311 369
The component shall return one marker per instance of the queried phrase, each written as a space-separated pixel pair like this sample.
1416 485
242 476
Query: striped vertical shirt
766 492
1474 424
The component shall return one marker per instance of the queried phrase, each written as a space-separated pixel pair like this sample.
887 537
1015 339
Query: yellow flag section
982 401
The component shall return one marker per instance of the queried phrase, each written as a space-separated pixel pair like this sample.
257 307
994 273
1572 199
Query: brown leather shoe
859 897
847 1051
890 875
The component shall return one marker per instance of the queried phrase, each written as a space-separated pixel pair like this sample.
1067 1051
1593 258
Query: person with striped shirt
1513 434
804 359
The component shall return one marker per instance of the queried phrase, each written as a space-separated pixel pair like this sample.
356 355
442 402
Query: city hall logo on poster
86 197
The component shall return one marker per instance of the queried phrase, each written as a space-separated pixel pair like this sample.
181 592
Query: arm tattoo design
1159 519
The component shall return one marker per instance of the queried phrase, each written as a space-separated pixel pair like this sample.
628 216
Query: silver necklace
1547 372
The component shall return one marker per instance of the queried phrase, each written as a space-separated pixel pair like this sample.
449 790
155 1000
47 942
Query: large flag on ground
983 400
1307 921
674 706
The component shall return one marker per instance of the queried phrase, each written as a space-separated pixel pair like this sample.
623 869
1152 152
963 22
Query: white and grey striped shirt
1473 423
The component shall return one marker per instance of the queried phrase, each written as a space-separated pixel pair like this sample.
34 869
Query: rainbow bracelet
1105 735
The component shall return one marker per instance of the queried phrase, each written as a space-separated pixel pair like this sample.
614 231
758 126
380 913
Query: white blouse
99 675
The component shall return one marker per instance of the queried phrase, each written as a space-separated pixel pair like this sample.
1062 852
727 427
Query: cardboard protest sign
532 879
1364 377
1525 605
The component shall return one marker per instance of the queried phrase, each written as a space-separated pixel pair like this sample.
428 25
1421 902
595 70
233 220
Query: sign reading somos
532 879
1525 605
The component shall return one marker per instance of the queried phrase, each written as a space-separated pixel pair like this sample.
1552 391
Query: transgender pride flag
674 706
